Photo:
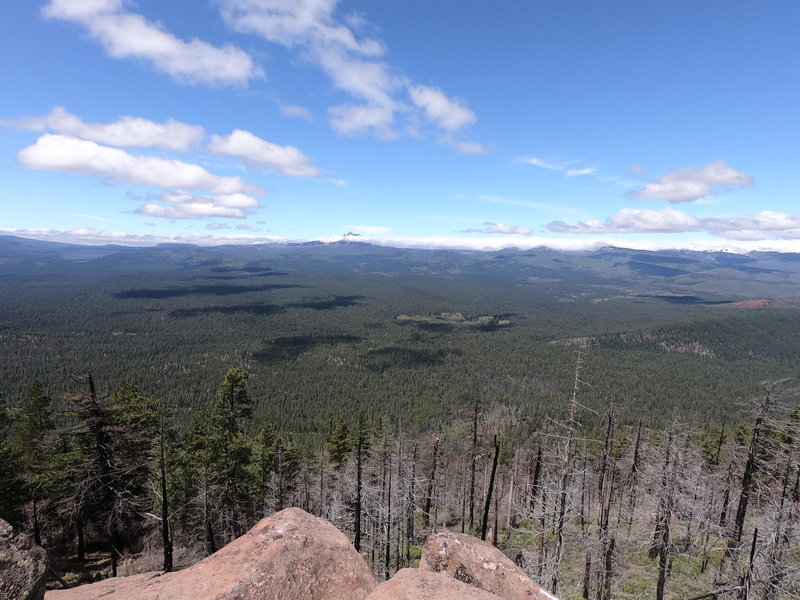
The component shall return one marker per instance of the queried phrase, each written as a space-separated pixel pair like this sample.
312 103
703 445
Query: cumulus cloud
63 153
125 34
688 184
632 220
355 65
502 228
565 167
182 205
287 160
126 131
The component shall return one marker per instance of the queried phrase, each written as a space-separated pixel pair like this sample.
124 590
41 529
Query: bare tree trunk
431 482
566 476
488 503
633 479
166 539
472 466
410 507
735 537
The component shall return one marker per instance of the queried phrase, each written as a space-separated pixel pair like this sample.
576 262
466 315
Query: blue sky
450 124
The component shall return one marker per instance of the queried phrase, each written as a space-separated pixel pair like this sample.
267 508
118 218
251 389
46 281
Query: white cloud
688 184
94 237
294 110
447 113
354 65
483 243
632 220
217 226
62 153
182 205
127 131
503 229
124 34
287 160
470 148
352 120
584 171
252 228
561 166
765 225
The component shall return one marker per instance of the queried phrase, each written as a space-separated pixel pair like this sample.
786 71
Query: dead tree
567 469
487 505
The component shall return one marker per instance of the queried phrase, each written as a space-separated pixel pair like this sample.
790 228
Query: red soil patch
752 304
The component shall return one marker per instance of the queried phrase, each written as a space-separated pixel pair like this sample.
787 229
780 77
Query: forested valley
622 423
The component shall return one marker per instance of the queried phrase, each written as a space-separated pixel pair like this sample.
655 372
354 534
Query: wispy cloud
502 228
565 167
296 111
371 229
127 131
125 34
558 209
689 184
92 217
355 65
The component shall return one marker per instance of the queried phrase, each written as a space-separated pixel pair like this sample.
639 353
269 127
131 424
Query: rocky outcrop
479 564
413 584
23 566
290 555
293 555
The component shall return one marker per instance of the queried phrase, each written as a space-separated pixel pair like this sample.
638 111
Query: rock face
295 556
23 566
413 584
290 555
479 564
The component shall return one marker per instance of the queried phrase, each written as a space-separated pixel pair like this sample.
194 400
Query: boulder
413 584
479 564
23 566
290 555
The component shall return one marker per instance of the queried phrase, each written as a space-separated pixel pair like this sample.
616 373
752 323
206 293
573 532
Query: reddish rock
413 584
23 566
480 564
290 555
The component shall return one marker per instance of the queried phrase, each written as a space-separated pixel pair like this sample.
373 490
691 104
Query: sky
456 124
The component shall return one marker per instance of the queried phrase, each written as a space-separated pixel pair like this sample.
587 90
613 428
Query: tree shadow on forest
407 358
329 303
200 290
291 347
246 275
253 309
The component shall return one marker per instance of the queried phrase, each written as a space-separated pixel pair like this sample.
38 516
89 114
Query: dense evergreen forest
622 422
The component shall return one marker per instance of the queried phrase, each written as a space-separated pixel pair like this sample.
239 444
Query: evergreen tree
34 425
